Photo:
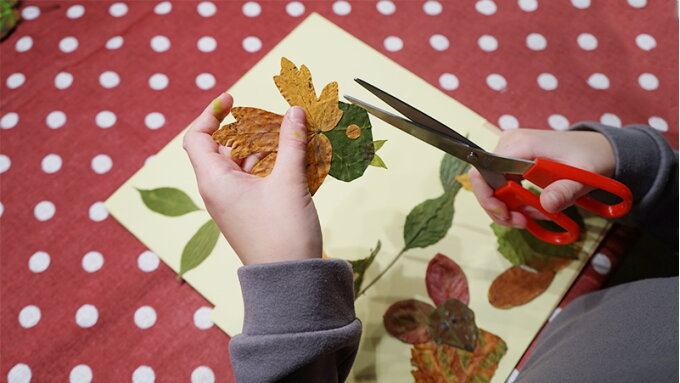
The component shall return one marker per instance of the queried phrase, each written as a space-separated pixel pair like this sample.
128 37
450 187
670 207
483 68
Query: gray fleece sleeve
299 323
647 164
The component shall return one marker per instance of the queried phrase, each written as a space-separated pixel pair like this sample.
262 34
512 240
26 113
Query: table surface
91 90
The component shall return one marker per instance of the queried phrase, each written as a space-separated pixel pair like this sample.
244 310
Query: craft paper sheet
354 216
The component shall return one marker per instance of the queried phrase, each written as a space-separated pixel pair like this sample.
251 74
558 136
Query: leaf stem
394 260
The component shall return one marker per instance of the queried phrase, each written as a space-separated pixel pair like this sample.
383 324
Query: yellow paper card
354 216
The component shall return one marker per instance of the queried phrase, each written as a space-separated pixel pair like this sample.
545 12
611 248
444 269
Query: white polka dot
44 210
154 120
547 81
393 43
2 209
9 120
637 3
645 42
20 373
105 119
75 11
611 120
109 79
648 81
206 9
158 81
554 314
206 44
587 41
202 374
496 82
5 163
118 10
15 80
87 316
601 263
658 123
114 42
558 122
92 261
63 80
536 42
295 8
598 81
101 163
68 44
528 5
386 7
205 81
51 163
251 9
487 43
30 13
39 262
143 374
160 43
149 159
148 261
432 8
507 122
580 4
145 317
202 318
252 44
24 44
56 119
342 8
81 373
448 81
29 316
486 7
439 42
163 8
98 212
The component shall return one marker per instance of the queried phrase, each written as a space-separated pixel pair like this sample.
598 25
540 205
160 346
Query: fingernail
297 115
498 214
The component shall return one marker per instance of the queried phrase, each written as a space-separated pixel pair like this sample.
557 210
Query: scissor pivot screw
472 157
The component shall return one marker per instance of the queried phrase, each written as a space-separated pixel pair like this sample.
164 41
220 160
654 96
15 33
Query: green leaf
378 144
351 157
168 201
450 168
378 162
429 222
9 17
359 268
199 247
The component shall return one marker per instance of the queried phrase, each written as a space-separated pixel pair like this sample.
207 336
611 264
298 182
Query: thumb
561 194
290 160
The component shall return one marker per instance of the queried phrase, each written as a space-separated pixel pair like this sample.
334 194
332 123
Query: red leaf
407 321
446 280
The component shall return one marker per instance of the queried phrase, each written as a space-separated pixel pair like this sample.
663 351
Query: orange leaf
516 286
255 131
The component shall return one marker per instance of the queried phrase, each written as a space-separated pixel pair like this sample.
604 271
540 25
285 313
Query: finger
251 160
290 160
561 194
198 141
495 208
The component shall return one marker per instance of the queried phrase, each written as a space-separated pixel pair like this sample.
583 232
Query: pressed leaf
378 162
520 247
360 266
407 321
199 247
445 280
453 323
351 157
9 17
255 131
168 201
517 286
464 181
429 222
378 144
549 263
448 170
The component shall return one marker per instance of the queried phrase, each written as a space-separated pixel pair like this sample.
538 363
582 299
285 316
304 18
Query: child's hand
586 150
265 220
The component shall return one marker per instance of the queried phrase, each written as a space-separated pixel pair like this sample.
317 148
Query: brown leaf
445 280
407 321
549 263
453 323
319 155
516 286
255 131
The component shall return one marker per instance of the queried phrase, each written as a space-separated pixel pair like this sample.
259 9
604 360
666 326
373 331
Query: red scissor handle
516 197
544 172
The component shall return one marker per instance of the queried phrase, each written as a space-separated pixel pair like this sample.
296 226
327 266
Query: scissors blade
491 166
414 114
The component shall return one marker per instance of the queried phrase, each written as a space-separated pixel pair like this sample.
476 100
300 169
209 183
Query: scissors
493 169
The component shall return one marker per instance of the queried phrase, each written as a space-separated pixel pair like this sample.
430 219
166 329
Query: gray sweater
300 324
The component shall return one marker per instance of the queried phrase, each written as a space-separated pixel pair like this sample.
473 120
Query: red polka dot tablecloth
91 90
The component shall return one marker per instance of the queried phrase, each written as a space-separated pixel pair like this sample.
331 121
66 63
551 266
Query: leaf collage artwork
339 143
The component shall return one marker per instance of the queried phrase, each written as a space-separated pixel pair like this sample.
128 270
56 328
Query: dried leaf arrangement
447 344
9 17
